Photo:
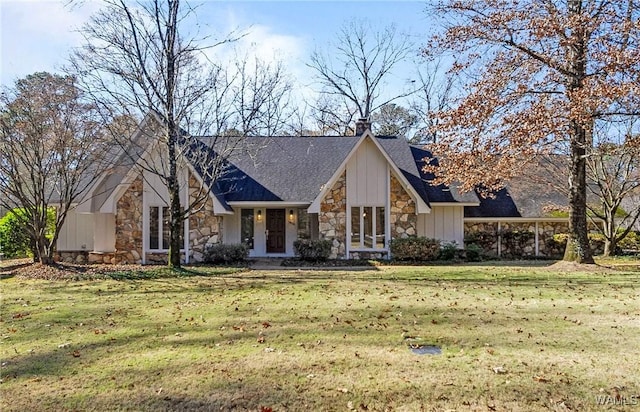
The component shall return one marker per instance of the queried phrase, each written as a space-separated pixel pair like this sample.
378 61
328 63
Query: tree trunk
44 251
175 215
578 249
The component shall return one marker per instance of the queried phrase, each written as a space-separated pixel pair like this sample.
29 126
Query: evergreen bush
312 250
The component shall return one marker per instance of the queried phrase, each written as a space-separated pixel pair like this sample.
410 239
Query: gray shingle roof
294 169
287 169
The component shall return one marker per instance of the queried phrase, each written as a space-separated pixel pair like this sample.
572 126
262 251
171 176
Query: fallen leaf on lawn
540 379
260 339
266 324
76 354
343 390
499 370
265 409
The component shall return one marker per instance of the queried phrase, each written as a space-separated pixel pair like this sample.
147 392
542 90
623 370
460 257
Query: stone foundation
72 256
368 255
332 218
86 257
160 258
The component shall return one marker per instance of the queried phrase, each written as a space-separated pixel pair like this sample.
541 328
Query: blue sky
37 35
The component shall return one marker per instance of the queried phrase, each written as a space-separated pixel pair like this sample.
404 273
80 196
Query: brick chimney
362 125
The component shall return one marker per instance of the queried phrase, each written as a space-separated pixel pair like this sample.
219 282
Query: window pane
380 227
368 226
246 227
303 224
355 227
165 228
154 228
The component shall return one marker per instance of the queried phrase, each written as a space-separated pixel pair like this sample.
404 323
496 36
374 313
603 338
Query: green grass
512 337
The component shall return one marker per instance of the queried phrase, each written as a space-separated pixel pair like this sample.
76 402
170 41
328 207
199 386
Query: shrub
559 242
312 250
222 253
473 253
486 239
449 251
415 248
630 242
14 240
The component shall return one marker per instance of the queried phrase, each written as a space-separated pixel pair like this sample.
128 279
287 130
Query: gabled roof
281 169
285 169
297 169
531 195
438 193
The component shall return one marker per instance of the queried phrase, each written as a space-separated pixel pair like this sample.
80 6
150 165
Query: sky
38 35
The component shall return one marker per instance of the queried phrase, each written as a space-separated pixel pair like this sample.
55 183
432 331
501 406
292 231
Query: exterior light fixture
291 216
259 216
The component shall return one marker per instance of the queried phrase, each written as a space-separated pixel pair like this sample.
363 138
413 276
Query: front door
276 230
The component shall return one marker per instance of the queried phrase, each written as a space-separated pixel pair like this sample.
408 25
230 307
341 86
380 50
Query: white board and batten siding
76 233
367 177
445 223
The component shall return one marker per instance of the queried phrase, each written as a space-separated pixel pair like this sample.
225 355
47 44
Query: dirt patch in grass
564 266
68 271
27 270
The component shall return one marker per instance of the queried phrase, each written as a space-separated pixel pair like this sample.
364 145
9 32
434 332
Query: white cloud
38 35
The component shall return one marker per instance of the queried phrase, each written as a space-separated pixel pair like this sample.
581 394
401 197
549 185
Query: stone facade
368 255
128 226
515 239
72 256
204 228
402 215
332 218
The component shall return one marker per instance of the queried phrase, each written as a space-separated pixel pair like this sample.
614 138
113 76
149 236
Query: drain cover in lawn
425 349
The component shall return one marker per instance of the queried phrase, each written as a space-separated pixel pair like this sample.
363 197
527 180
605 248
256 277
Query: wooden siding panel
367 177
76 232
444 223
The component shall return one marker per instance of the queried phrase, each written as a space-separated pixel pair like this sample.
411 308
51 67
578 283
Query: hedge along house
359 192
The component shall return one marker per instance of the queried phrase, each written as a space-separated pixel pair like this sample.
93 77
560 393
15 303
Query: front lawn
512 338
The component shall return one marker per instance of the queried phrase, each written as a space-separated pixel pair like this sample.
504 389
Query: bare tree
613 174
333 116
540 74
138 60
355 74
52 147
261 94
394 120
434 94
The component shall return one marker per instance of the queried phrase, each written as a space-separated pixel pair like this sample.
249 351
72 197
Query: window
159 228
368 227
246 227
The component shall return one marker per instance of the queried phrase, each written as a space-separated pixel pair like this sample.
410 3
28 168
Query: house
359 192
